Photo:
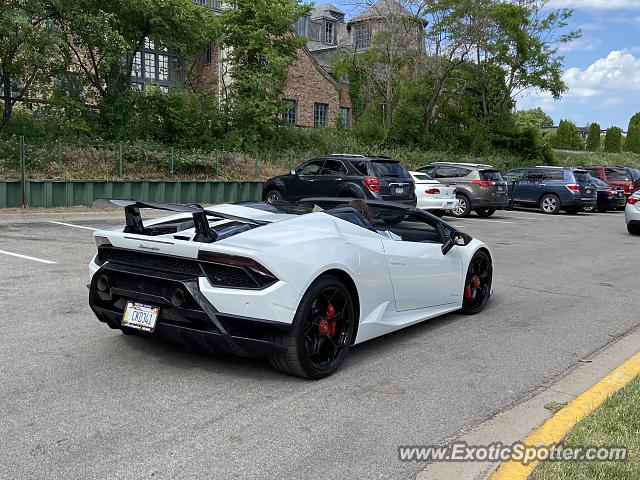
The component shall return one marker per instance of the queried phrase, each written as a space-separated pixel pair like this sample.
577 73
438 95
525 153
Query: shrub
613 140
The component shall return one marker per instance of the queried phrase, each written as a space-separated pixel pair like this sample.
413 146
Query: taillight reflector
484 183
372 184
574 187
432 191
234 261
633 200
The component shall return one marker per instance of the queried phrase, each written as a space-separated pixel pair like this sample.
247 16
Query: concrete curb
517 423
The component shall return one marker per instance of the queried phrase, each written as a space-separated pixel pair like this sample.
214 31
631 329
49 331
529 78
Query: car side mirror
293 172
456 238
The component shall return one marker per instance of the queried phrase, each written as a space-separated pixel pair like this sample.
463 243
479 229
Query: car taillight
484 183
372 184
608 191
633 200
432 191
573 187
235 261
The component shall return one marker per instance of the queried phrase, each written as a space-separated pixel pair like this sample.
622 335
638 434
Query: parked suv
617 176
344 175
551 189
479 188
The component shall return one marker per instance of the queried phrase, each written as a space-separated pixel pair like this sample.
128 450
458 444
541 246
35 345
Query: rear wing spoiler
204 233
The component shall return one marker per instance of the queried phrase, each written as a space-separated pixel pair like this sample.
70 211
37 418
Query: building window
363 36
291 115
329 33
207 55
320 114
345 117
150 66
163 68
136 70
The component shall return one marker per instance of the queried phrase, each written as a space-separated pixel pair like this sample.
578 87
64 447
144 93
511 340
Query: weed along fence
58 174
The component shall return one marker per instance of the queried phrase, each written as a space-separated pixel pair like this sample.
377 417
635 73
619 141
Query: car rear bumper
196 323
436 203
480 203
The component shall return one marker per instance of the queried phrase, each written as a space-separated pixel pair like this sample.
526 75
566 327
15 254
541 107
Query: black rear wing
204 233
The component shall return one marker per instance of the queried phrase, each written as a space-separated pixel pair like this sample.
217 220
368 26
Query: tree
30 52
567 137
635 120
613 140
533 118
102 37
632 142
261 48
593 138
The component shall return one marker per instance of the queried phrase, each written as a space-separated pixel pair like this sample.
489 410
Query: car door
330 178
420 274
305 182
527 191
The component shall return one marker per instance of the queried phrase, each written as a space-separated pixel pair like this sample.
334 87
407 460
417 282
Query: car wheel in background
589 209
273 196
485 212
321 333
462 208
550 204
603 209
572 211
633 229
437 213
477 285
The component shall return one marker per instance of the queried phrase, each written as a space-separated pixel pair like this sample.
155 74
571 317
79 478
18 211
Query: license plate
588 190
448 205
399 191
141 317
501 188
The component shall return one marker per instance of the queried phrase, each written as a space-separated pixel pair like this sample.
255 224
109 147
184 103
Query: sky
602 69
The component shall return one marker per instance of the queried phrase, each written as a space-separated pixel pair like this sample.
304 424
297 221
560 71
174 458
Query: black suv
344 175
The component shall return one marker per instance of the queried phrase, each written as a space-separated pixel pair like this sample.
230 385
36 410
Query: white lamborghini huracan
297 284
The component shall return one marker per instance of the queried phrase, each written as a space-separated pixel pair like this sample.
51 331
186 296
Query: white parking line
27 257
486 220
72 225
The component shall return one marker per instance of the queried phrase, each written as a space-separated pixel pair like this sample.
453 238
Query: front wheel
321 333
550 204
273 196
486 212
477 284
462 208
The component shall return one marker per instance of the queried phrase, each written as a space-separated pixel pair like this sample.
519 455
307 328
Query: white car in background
433 195
632 213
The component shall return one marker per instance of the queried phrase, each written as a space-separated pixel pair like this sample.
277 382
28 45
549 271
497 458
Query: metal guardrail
69 193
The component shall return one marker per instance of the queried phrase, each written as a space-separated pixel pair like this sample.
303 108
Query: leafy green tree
593 138
102 37
632 142
613 140
567 137
533 118
635 120
31 52
257 34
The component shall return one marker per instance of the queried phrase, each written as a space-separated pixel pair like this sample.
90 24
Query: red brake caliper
326 326
475 283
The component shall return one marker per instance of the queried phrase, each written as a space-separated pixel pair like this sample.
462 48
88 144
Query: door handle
542 184
397 261
338 179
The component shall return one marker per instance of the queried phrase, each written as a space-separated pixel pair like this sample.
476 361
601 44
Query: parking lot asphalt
82 401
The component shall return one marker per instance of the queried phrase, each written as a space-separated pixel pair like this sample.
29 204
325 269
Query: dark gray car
479 188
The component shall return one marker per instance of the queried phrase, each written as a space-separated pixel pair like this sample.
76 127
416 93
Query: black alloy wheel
322 331
477 285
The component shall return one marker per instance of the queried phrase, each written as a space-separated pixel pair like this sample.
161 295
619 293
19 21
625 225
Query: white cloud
618 72
596 4
582 44
612 102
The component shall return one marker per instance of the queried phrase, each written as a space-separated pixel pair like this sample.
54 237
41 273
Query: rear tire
437 213
477 284
633 229
273 196
485 212
464 207
321 333
603 209
550 204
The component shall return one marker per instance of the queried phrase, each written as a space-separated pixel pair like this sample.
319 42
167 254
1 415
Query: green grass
615 423
570 158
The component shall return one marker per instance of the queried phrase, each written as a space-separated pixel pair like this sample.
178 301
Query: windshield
422 176
389 169
491 175
617 175
583 177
